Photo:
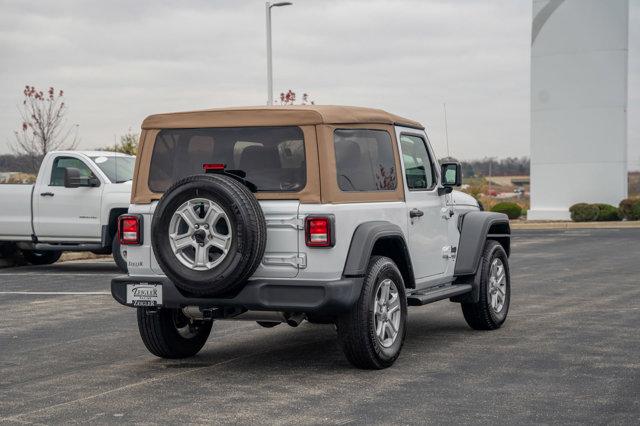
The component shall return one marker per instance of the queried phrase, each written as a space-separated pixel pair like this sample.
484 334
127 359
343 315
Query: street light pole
268 6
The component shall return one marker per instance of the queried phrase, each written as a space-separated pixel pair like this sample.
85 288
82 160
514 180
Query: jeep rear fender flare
475 228
364 240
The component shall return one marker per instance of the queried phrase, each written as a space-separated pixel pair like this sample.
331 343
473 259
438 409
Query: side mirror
72 179
451 174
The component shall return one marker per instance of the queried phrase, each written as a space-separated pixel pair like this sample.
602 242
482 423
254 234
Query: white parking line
57 293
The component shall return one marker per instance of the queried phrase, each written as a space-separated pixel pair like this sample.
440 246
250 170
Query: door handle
415 213
46 194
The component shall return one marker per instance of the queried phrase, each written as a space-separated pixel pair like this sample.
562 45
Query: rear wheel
373 332
490 312
168 333
117 254
41 257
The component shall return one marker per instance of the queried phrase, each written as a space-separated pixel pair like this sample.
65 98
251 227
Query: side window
417 163
364 160
60 163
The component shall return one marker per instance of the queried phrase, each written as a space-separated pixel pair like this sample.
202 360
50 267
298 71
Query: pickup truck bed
15 216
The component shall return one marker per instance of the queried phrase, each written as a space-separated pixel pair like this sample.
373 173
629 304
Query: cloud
119 61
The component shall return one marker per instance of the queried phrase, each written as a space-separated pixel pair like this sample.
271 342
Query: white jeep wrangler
280 214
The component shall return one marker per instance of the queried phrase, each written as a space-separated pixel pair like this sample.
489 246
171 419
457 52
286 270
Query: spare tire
208 234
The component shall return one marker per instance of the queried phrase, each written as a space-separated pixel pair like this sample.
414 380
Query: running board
423 297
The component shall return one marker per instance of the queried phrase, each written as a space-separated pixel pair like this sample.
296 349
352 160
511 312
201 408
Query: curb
575 225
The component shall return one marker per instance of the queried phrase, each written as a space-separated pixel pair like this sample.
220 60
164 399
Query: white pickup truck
73 206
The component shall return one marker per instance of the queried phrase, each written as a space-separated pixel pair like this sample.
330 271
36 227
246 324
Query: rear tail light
130 229
319 231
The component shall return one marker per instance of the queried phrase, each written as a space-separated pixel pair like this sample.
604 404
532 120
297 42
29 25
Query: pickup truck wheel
373 332
41 257
7 250
208 234
116 252
490 312
168 333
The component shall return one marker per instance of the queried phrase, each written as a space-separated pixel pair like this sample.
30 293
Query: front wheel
372 333
490 312
168 333
41 257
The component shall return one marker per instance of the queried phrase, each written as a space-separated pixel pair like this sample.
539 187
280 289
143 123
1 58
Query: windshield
272 158
118 169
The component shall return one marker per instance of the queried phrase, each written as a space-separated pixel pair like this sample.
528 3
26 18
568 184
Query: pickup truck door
428 214
66 214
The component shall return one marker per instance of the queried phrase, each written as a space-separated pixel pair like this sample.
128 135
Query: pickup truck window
60 163
273 158
364 160
118 169
418 166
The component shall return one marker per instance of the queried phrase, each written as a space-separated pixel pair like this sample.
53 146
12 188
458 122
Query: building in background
579 55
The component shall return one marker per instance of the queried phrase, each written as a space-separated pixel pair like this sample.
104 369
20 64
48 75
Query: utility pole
490 186
268 7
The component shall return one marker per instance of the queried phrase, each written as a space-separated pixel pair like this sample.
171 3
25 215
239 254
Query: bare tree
44 126
289 98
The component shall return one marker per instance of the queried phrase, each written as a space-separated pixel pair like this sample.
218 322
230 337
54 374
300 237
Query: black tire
121 262
267 324
161 333
481 315
7 250
356 329
41 257
248 232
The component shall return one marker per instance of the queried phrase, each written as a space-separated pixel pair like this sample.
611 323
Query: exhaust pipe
295 320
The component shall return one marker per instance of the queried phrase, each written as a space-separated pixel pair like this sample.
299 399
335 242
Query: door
67 214
427 211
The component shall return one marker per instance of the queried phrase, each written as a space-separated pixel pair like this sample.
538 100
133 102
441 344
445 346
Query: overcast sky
120 60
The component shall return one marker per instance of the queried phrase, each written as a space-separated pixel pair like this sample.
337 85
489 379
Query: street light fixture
268 7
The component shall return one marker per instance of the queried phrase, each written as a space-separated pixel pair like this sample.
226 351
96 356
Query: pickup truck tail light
319 231
130 229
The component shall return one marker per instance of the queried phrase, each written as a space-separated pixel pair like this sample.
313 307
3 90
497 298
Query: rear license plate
144 294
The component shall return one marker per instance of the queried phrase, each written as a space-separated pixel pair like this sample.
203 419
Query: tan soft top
275 116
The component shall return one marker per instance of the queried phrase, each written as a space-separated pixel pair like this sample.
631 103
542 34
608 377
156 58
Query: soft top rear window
273 158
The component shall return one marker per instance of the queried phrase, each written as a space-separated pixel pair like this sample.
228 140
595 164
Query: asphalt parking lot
569 353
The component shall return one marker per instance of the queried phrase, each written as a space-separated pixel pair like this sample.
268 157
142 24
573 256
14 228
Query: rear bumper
266 295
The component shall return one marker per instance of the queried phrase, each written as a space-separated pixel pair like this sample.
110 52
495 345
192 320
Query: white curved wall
578 104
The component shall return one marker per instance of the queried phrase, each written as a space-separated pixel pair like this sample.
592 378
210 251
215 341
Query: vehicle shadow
310 347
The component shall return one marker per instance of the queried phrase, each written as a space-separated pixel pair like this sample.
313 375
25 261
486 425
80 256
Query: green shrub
630 208
583 212
607 213
512 210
